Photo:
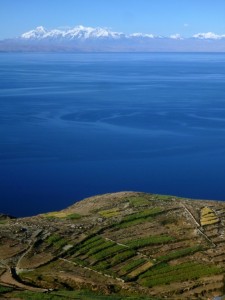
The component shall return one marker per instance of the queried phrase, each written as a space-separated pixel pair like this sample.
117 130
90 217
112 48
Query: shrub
56 240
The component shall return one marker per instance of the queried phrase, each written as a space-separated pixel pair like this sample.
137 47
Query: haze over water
75 125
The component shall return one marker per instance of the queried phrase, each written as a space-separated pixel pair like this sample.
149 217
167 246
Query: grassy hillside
117 246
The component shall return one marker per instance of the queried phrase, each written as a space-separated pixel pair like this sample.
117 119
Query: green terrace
139 217
180 253
105 255
166 274
151 240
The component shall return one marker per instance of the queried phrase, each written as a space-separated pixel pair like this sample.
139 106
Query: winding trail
8 279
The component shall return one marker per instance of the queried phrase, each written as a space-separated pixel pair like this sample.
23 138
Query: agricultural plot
142 244
56 241
139 270
179 253
109 213
96 250
139 217
131 265
208 216
138 201
151 240
103 255
62 215
166 274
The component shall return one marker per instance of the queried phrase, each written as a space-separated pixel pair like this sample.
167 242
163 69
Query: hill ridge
126 243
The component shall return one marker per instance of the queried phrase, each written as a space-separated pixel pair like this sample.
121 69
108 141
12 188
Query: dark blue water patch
73 125
59 184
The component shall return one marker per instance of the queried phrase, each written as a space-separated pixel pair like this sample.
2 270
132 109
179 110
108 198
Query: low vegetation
139 217
109 213
138 201
132 265
151 240
4 289
77 295
179 253
168 274
56 241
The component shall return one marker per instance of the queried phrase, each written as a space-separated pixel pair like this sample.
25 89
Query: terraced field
124 244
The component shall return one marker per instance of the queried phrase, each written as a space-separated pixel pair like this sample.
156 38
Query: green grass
73 216
26 295
109 213
152 240
164 197
2 222
78 295
180 253
4 289
167 274
138 201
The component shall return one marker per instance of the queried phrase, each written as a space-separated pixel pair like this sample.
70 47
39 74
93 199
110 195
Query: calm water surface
75 125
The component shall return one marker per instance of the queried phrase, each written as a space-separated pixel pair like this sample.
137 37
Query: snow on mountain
176 36
209 35
142 35
84 33
38 32
78 32
98 39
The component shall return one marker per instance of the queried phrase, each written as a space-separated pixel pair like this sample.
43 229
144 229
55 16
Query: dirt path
7 278
198 226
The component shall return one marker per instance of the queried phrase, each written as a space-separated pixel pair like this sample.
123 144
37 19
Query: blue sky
160 17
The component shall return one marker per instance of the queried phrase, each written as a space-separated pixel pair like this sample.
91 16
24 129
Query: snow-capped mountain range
90 39
78 32
81 32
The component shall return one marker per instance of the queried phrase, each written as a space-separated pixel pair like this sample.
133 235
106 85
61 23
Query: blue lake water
75 125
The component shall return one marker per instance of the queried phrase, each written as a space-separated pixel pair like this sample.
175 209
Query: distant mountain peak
142 35
176 36
78 32
102 39
209 35
81 32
